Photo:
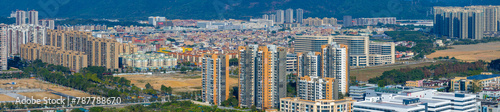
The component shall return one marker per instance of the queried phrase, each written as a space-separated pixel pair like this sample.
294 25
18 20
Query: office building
20 17
141 61
33 17
155 20
460 22
262 80
382 53
289 16
290 104
358 46
74 60
348 21
280 16
100 51
48 23
314 88
299 15
3 47
215 71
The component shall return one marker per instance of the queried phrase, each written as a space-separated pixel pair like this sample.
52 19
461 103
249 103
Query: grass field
484 51
180 82
363 74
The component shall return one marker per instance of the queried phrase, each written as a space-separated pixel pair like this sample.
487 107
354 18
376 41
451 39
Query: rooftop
482 77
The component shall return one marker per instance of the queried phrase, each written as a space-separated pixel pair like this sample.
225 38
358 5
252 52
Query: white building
22 34
3 47
289 16
382 53
154 20
33 17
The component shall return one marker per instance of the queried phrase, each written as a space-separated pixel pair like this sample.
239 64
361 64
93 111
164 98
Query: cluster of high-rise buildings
286 16
263 76
469 22
26 29
98 51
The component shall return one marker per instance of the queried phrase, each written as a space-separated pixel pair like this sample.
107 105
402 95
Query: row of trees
449 69
469 41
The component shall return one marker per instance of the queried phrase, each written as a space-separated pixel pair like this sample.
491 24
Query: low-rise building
417 83
144 61
485 79
290 104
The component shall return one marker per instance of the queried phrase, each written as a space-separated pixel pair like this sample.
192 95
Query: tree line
446 70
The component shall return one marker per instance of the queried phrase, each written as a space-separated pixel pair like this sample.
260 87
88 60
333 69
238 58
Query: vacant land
35 84
180 82
484 51
41 95
4 97
363 74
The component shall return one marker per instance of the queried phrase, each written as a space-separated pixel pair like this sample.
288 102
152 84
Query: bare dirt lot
35 84
6 98
41 95
484 51
180 82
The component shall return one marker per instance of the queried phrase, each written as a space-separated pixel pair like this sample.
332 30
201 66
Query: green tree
148 86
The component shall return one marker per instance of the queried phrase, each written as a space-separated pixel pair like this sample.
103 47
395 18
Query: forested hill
236 9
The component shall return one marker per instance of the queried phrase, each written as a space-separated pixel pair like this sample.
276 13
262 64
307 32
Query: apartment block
314 88
75 60
99 51
262 76
22 34
309 64
215 71
3 47
290 104
335 64
465 22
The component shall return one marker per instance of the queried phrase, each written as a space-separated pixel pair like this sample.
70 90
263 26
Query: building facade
289 104
465 22
20 17
74 60
382 53
289 16
215 71
22 34
315 88
3 47
99 51
358 46
262 76
33 17
299 15
150 61
280 17
335 64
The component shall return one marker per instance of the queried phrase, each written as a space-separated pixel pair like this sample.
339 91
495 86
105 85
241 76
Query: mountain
236 9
